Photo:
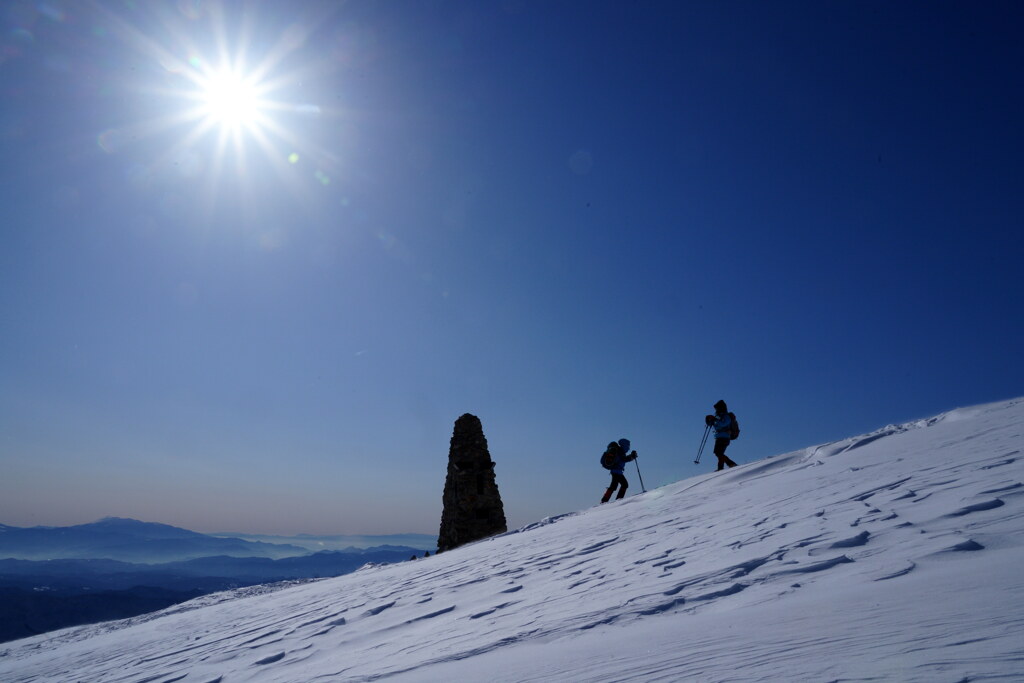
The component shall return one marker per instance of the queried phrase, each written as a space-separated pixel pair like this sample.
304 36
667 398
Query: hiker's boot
607 495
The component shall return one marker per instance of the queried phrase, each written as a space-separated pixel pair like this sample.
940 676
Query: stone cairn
472 504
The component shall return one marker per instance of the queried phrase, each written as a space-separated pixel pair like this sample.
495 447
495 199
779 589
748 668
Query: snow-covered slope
896 555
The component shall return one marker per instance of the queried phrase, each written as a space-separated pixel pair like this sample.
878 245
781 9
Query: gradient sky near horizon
260 304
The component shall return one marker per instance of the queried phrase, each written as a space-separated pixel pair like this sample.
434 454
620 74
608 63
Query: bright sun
231 100
224 107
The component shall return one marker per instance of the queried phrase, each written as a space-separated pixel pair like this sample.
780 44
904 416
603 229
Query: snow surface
895 555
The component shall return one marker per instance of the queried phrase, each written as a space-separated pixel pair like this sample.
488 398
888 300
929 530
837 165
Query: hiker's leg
723 460
611 488
623 485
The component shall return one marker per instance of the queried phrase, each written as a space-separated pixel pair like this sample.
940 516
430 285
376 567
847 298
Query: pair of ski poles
707 430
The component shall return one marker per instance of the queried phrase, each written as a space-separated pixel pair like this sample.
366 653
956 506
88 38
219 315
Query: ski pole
642 489
707 429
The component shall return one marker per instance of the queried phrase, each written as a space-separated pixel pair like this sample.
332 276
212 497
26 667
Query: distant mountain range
129 540
52 577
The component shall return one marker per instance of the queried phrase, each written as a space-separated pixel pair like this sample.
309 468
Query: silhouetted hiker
615 459
724 424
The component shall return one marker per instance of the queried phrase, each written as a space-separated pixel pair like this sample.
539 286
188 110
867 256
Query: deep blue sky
576 220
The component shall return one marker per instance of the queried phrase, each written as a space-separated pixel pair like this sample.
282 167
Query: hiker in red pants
615 459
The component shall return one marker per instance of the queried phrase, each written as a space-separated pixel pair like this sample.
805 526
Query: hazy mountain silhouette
129 540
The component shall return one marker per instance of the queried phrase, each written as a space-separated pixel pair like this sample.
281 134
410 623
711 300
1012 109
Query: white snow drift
896 555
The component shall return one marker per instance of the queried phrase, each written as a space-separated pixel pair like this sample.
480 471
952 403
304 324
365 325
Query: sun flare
221 100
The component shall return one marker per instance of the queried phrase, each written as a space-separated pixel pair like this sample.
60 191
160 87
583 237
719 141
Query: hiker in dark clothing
721 422
618 452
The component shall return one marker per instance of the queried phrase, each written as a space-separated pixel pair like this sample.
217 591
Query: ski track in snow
821 564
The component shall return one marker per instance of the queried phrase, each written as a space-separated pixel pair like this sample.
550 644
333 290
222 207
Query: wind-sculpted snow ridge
891 556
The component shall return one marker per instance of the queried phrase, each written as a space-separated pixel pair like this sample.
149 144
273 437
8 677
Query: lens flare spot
111 140
293 158
23 35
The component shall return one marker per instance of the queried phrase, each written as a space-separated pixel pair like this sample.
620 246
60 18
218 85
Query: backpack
608 459
734 428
